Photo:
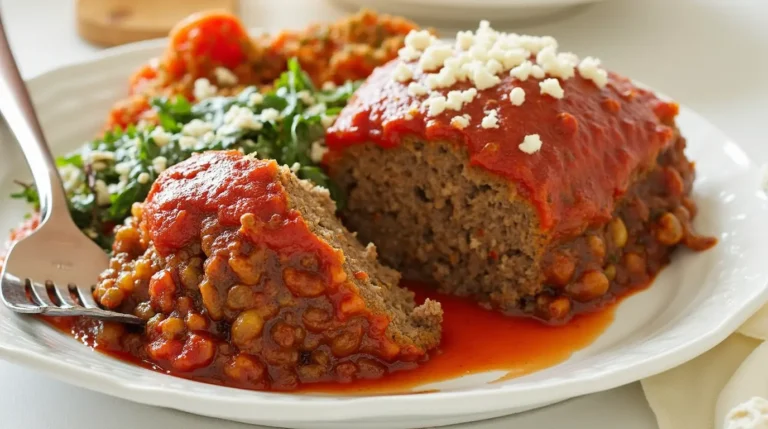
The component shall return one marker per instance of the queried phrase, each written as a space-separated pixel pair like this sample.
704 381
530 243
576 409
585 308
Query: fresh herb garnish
108 175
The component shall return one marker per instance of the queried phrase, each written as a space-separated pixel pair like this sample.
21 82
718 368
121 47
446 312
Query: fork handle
19 112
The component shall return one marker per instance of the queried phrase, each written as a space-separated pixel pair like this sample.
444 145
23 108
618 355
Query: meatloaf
502 169
243 273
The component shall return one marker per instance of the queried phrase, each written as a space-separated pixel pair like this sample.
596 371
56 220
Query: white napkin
699 394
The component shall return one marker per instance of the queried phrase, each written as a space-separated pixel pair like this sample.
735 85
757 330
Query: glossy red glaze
594 140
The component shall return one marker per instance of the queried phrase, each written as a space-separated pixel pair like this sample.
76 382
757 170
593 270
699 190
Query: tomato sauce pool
475 340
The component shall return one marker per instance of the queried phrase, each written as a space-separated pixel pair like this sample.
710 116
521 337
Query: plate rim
352 408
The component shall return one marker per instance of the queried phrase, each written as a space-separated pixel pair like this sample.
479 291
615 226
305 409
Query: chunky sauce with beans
234 285
594 140
470 345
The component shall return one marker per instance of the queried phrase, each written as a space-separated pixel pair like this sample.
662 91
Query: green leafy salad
106 176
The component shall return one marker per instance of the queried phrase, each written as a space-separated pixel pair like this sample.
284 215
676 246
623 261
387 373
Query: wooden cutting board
115 22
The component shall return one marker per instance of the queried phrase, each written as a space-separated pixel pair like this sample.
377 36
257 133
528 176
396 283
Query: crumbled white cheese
517 96
242 118
306 97
443 79
328 86
317 152
435 105
494 66
554 64
71 176
160 164
143 178
417 89
224 76
491 119
295 167
484 79
160 136
537 72
468 95
187 142
434 56
522 71
408 53
255 99
464 40
270 115
203 89
327 120
196 128
123 168
531 144
209 137
551 87
460 122
752 414
100 155
102 193
98 166
589 68
413 109
402 73
419 39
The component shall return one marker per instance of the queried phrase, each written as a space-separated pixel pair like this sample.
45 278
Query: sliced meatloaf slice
243 271
504 170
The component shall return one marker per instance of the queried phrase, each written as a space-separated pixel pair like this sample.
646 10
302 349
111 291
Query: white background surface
711 55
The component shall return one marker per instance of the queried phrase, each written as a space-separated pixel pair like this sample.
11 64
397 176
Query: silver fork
57 262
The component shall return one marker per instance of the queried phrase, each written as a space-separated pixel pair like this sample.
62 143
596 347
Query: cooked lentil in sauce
237 291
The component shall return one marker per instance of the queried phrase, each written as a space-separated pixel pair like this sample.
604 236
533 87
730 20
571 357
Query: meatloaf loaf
502 169
244 273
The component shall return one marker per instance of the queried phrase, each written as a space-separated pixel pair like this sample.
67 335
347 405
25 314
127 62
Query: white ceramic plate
470 10
694 303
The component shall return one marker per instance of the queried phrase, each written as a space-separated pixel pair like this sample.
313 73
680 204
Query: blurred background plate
472 10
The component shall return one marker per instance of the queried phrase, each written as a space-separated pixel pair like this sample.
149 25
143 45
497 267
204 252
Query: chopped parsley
106 176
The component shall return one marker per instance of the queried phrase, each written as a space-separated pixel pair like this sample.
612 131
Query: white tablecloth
711 55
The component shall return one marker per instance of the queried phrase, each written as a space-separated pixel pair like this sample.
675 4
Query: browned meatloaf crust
533 193
244 274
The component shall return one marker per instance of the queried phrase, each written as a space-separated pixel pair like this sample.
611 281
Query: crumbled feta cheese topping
522 71
589 68
100 155
187 142
434 57
255 99
482 57
242 118
551 87
121 168
460 122
160 163
102 193
403 73
143 178
270 115
203 89
417 89
306 97
71 176
160 136
531 144
224 76
517 96
491 119
419 40
196 128
435 105
317 152
752 414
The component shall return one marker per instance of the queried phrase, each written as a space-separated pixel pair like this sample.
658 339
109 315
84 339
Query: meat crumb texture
243 270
